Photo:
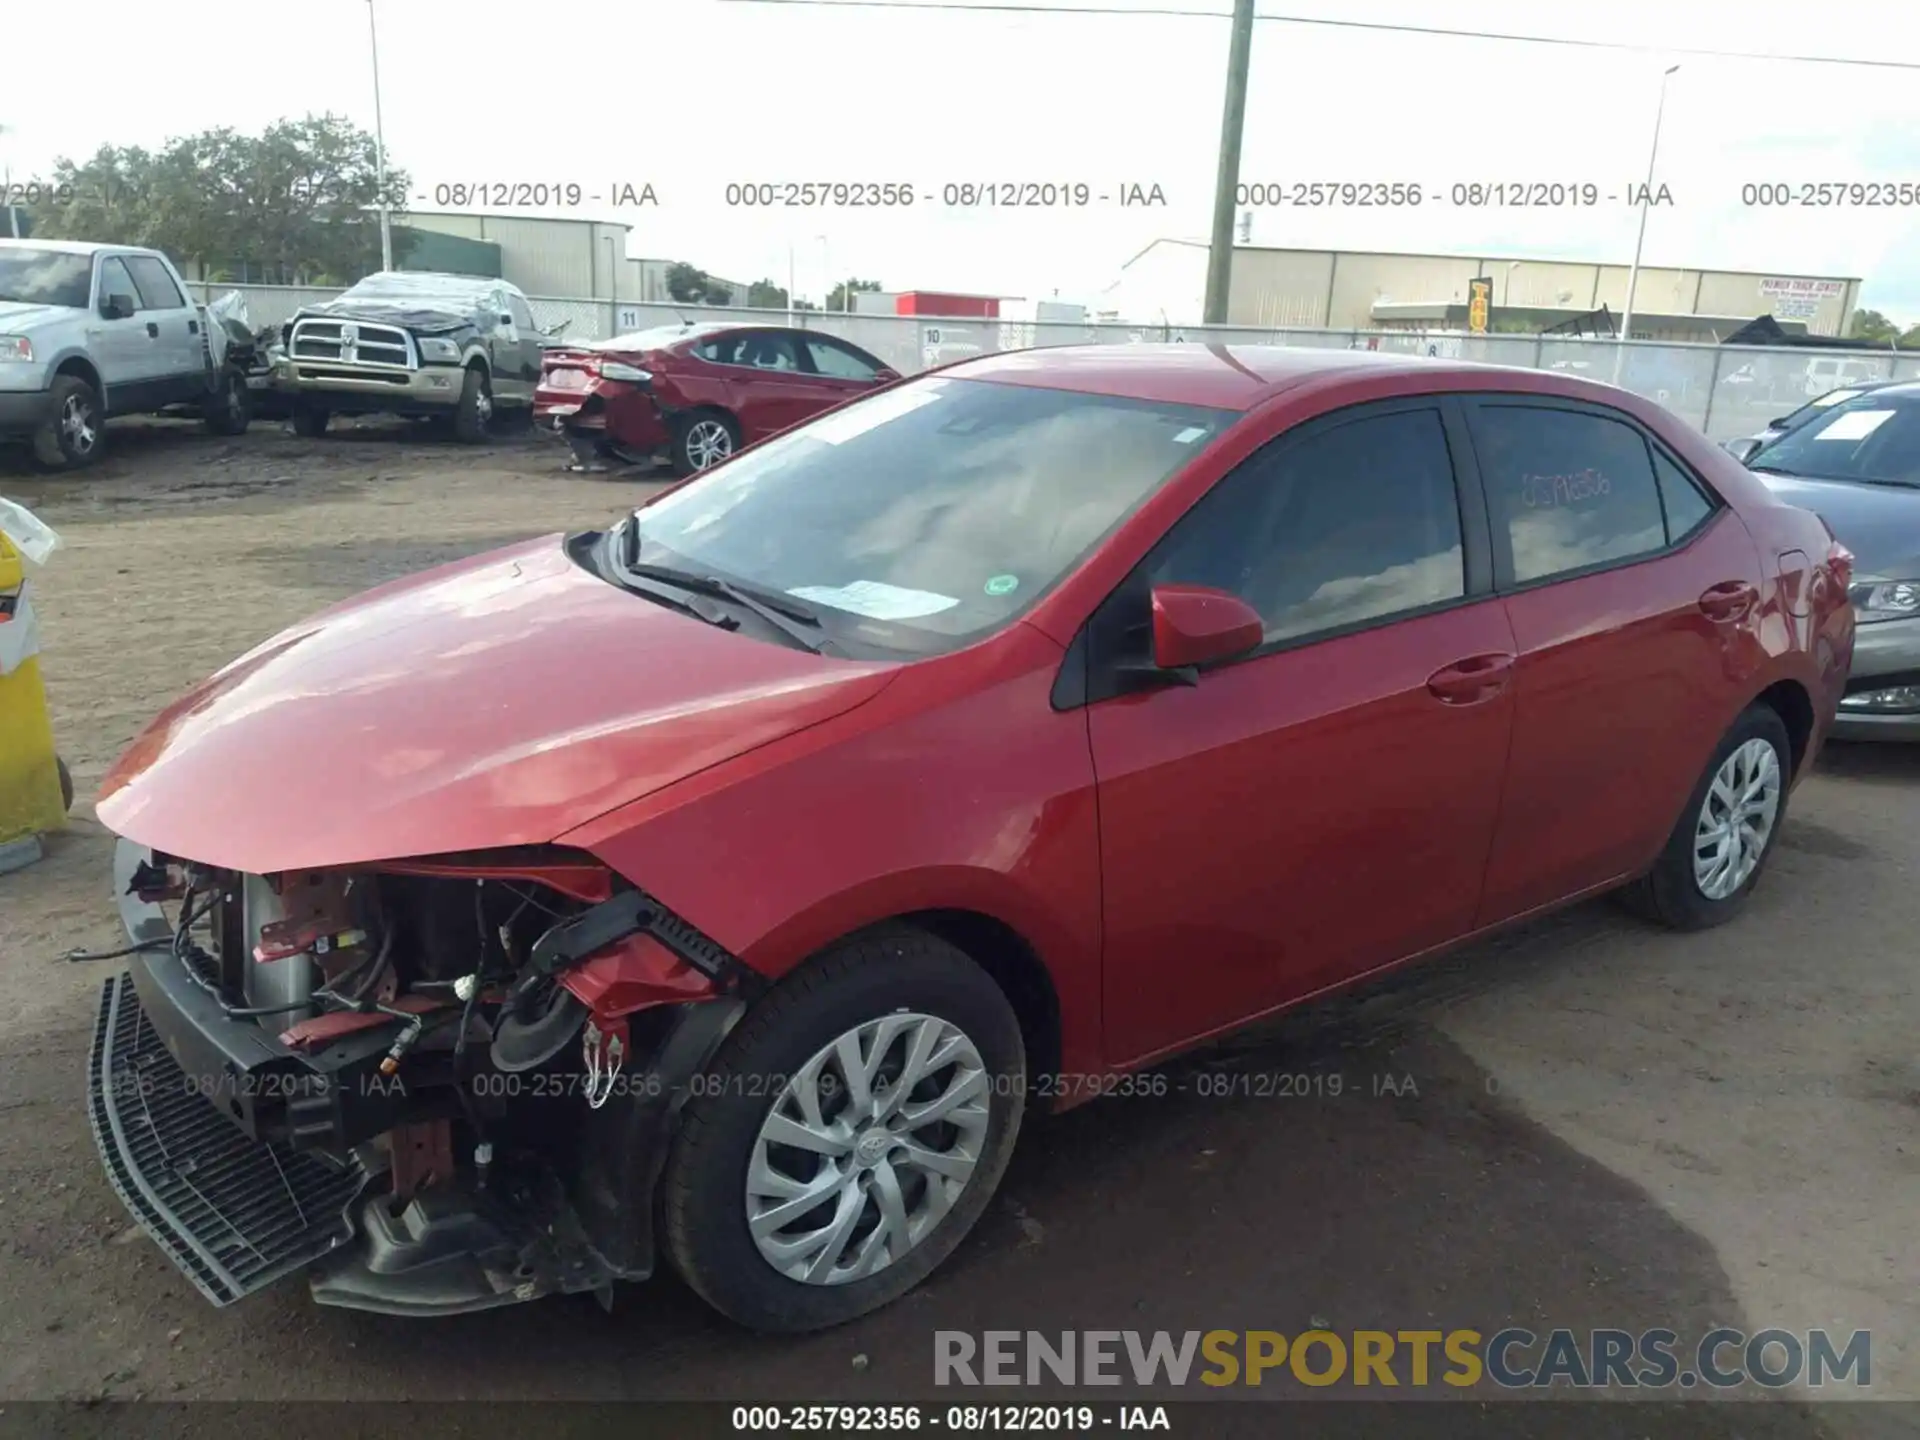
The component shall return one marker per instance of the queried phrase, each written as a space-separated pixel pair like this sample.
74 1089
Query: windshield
46 277
1873 437
422 288
924 517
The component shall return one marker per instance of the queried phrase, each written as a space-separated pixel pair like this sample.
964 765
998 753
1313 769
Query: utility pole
1227 183
380 148
1646 203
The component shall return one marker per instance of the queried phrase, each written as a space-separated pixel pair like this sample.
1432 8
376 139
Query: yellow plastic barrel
30 792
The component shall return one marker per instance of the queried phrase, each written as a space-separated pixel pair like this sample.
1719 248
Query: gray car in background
1857 465
1744 447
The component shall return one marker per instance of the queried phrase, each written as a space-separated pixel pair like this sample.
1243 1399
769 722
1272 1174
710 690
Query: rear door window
1567 490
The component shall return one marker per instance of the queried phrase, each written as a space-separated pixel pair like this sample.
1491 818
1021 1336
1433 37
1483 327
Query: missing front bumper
234 1213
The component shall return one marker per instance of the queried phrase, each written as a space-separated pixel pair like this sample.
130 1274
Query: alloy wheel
1736 820
708 443
77 425
867 1148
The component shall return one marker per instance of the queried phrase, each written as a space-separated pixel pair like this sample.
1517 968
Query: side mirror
1194 625
1743 449
116 306
506 319
1779 424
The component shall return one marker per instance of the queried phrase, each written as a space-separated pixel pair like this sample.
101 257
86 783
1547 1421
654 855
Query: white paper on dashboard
877 600
1855 425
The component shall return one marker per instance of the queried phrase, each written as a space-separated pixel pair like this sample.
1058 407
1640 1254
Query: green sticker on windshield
1003 584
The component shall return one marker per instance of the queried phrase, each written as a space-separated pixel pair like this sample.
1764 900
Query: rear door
172 325
769 384
1324 805
520 362
1630 589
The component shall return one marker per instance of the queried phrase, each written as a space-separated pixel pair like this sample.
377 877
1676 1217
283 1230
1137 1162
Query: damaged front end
438 1085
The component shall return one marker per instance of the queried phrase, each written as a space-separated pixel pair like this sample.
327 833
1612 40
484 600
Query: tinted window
922 516
1343 526
836 361
1687 507
45 277
114 280
157 290
1570 489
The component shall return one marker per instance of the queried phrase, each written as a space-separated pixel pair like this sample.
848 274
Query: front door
128 357
1324 806
1631 593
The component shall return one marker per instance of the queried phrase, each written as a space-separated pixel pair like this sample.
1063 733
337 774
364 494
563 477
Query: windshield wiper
794 619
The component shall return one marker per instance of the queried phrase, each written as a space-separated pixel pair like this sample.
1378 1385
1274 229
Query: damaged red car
696 393
721 888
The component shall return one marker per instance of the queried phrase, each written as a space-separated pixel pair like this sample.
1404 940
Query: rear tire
74 432
873 1192
310 422
230 409
702 440
474 411
1720 846
66 785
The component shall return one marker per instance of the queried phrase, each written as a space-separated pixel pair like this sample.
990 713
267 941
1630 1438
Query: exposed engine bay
446 1084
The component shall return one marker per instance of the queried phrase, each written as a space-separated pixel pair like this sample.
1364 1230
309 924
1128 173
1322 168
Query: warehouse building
543 255
1368 290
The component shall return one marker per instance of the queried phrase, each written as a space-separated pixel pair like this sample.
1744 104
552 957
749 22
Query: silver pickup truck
92 331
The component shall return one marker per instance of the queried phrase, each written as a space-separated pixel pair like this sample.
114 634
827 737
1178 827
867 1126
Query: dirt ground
1607 1126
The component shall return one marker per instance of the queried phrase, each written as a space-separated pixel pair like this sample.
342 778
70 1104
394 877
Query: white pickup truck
91 331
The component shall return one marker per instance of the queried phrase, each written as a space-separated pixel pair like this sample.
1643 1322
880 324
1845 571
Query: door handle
1728 601
153 331
1469 681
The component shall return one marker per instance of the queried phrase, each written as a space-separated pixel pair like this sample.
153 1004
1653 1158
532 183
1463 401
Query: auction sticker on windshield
877 600
1856 425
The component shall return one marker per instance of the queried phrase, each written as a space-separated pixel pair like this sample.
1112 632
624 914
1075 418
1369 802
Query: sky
690 96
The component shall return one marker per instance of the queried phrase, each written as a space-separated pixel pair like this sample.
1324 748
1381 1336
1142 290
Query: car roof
1239 377
65 247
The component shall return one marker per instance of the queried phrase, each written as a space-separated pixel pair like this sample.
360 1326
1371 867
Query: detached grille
234 1214
352 342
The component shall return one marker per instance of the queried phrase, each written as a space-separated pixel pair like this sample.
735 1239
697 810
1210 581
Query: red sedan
751 865
697 392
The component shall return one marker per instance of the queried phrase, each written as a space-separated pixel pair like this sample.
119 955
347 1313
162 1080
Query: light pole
789 284
1227 181
380 147
1646 203
826 275
6 180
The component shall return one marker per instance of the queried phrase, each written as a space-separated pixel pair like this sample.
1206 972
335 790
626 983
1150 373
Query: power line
1016 7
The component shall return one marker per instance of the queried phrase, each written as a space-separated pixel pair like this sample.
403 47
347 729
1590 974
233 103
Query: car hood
411 314
18 315
499 701
1880 524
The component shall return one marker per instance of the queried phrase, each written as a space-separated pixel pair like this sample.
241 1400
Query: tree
1872 327
692 286
841 298
1910 338
298 202
765 295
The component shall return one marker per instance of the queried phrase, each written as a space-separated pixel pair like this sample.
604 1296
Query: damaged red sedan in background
696 393
722 885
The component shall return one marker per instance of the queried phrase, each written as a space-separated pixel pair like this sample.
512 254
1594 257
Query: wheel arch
81 368
1013 964
1791 701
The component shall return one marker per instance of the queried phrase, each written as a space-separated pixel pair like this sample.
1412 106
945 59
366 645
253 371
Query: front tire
848 1136
74 432
1720 846
474 411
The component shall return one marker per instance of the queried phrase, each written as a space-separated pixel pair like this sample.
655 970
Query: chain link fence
1724 390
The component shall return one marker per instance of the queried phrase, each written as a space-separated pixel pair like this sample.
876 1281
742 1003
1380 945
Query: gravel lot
1612 1126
